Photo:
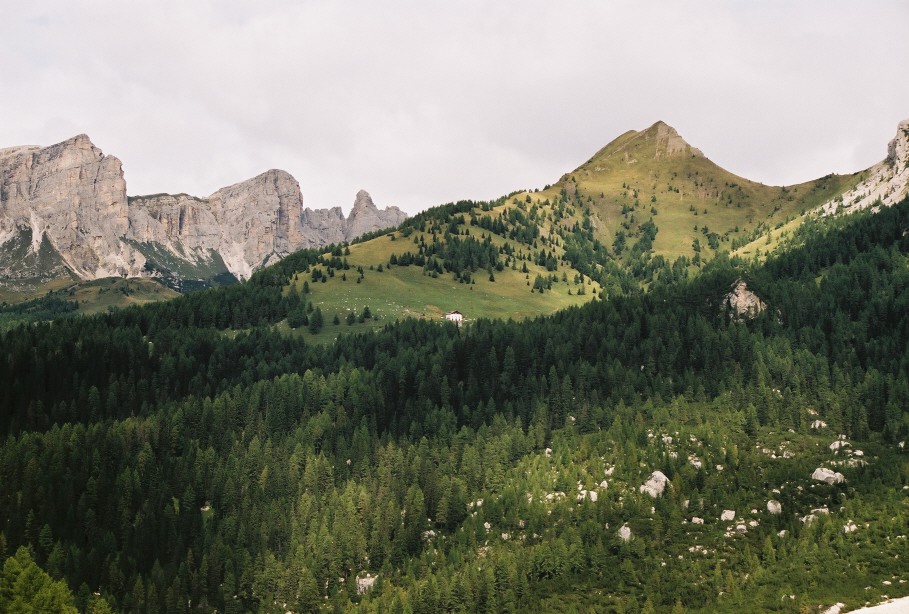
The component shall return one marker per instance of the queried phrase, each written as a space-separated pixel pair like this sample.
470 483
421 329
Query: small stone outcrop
774 507
655 485
822 474
624 532
743 302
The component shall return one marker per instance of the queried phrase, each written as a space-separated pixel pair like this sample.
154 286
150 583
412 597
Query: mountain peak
668 141
363 201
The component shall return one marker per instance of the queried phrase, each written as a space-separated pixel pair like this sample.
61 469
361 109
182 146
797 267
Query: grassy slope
689 191
637 172
113 292
399 292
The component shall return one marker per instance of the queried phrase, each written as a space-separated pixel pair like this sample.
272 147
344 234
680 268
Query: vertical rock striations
71 199
73 195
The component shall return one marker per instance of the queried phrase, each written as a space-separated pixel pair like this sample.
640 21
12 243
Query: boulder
624 532
822 474
727 515
774 507
655 485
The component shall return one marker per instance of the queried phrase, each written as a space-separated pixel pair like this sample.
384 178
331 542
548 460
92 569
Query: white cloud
422 103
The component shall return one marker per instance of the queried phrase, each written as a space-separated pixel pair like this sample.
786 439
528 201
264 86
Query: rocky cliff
75 196
886 182
70 199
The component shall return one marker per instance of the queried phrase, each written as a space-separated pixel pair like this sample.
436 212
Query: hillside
647 206
697 208
647 452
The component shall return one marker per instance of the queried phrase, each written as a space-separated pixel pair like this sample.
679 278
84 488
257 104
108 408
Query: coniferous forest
188 456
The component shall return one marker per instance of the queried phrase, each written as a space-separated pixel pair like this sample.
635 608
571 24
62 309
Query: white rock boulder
625 532
822 474
774 507
655 485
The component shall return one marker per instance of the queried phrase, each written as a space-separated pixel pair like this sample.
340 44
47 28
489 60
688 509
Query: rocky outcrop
743 302
252 223
73 197
655 485
366 217
885 183
822 474
669 142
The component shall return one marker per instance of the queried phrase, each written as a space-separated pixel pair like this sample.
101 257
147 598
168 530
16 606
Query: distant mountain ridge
64 210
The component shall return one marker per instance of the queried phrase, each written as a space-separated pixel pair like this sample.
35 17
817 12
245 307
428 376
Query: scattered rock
727 515
696 520
774 507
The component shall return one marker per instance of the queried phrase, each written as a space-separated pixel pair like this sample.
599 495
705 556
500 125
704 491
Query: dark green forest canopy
169 461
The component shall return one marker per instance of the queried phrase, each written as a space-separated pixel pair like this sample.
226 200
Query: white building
454 316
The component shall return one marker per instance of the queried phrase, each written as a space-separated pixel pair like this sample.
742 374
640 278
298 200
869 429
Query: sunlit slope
509 287
647 205
654 175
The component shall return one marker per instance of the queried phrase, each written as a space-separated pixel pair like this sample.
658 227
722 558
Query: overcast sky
422 103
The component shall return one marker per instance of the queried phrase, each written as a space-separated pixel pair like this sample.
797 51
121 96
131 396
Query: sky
422 103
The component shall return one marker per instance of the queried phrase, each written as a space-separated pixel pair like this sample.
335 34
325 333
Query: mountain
645 453
646 207
654 181
64 213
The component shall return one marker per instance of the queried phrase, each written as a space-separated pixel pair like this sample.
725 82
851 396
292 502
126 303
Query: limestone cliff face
252 223
886 182
74 197
366 217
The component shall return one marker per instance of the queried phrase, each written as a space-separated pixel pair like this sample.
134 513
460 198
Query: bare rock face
73 197
252 223
743 302
670 143
886 183
366 217
259 221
